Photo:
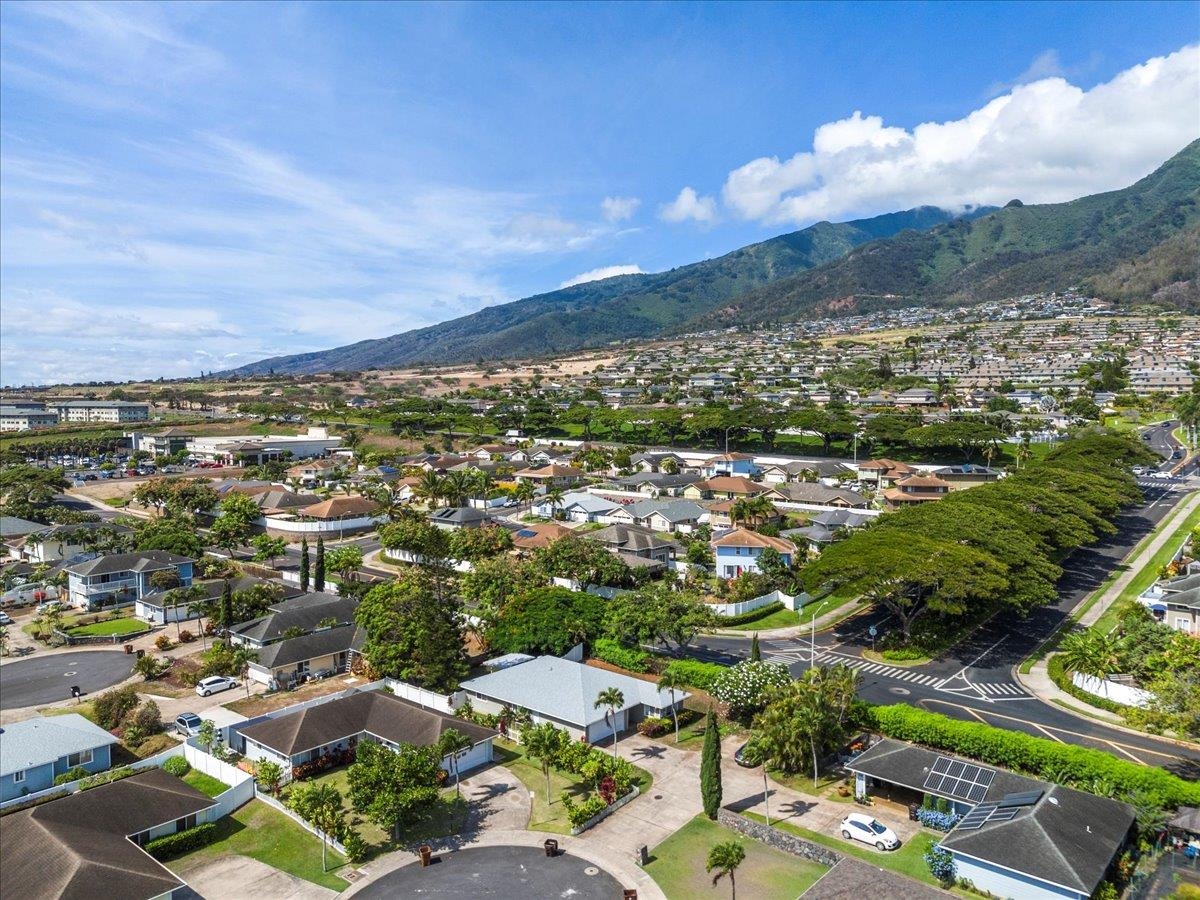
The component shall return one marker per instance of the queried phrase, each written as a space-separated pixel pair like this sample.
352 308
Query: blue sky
186 187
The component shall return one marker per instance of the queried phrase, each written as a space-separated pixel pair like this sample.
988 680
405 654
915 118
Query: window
79 759
1183 623
185 823
19 776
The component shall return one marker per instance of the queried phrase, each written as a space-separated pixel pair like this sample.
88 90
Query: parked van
29 593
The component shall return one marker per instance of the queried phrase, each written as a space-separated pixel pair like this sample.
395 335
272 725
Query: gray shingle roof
310 646
565 690
35 742
304 612
143 561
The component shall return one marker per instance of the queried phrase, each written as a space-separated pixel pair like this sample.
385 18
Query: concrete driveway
243 878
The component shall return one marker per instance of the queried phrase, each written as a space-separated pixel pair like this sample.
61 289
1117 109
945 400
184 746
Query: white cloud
1043 142
689 206
618 209
602 272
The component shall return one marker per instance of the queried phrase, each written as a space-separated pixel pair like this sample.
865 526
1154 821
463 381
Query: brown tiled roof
340 507
744 537
551 470
731 484
531 537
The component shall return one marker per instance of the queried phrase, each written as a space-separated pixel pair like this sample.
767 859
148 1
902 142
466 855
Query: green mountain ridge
1130 245
598 312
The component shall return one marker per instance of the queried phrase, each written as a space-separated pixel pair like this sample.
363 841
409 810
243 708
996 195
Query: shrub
139 724
654 726
1079 767
182 841
106 778
162 642
940 821
900 654
356 848
112 706
578 813
695 673
753 616
941 864
1059 675
745 686
186 637
177 766
610 651
71 775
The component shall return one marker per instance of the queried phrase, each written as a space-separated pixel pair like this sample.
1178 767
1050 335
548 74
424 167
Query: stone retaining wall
780 840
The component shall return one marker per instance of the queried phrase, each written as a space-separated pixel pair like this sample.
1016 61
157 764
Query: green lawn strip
908 860
448 816
267 835
205 784
547 816
781 618
677 866
112 626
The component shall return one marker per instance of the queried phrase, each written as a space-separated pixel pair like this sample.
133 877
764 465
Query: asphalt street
49 678
974 679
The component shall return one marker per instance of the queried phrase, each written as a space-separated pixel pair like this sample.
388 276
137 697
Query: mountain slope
1129 245
595 313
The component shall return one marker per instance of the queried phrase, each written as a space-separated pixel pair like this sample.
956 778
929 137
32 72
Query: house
967 475
508 452
451 518
158 607
1175 602
723 487
720 515
340 725
90 843
120 579
1019 837
335 516
579 507
287 662
737 551
658 484
883 473
731 464
314 471
826 527
564 692
808 493
916 397
677 516
633 540
33 752
534 537
65 541
915 489
550 476
303 614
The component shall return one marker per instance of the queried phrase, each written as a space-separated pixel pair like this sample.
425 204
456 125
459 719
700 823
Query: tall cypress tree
755 653
710 766
304 564
227 605
319 573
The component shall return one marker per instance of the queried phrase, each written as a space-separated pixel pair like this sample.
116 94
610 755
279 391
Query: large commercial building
24 416
102 411
256 449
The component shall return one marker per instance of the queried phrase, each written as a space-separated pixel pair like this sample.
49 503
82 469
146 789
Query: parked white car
214 684
861 827
28 593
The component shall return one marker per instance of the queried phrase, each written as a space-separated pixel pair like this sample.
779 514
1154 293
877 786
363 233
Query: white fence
1124 694
72 787
322 527
597 590
407 556
429 699
737 609
241 784
311 829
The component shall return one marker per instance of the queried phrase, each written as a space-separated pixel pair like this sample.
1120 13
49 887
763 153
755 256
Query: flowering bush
941 821
162 642
941 864
653 726
745 687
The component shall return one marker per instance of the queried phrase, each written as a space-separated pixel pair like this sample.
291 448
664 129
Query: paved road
974 680
49 678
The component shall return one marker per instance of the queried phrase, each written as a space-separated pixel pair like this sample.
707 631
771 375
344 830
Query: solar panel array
959 779
984 813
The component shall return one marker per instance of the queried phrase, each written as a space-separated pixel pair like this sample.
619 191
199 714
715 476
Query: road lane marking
1047 733
1120 750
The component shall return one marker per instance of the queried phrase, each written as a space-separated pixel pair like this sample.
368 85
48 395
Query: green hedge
610 651
177 766
106 778
1078 767
753 616
182 841
695 673
1059 675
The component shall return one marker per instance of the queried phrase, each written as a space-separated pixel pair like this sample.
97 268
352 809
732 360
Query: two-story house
35 751
738 549
731 464
65 541
915 489
121 579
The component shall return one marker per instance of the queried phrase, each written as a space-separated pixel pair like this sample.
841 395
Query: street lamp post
812 658
727 430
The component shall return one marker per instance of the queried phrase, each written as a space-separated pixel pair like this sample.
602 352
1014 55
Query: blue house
737 550
731 464
36 750
120 579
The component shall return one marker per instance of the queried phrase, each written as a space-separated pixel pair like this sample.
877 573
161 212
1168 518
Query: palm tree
1091 653
554 497
739 511
724 858
544 742
670 682
186 596
611 699
454 744
525 493
457 486
429 488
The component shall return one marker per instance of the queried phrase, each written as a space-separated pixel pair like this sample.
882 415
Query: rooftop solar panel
956 769
1003 815
1024 798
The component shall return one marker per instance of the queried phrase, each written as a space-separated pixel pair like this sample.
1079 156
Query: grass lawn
781 618
826 786
677 866
545 816
908 860
112 626
205 784
691 735
447 817
260 832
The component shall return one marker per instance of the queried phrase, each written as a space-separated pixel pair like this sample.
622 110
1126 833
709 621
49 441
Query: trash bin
129 648
75 692
551 846
913 809
630 894
426 854
141 653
